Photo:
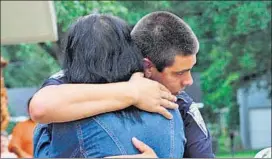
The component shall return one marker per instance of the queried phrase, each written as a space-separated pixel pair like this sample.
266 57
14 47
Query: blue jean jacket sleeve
42 137
41 141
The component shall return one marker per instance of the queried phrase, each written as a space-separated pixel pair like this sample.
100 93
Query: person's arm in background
199 141
58 102
20 153
16 145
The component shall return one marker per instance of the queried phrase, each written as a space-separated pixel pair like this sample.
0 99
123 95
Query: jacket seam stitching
112 136
172 132
74 153
81 146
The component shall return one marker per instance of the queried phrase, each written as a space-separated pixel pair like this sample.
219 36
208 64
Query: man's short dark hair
161 36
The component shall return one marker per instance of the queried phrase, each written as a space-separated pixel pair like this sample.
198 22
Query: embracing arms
68 102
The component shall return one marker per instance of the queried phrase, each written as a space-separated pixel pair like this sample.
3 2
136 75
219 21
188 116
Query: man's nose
188 81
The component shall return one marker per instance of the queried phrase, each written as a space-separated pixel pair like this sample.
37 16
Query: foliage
235 41
240 154
28 65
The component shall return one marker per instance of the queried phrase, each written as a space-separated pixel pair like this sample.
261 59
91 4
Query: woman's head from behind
98 49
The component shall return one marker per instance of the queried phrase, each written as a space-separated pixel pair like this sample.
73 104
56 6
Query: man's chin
176 93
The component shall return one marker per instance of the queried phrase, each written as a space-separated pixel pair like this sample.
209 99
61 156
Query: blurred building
28 22
195 90
18 101
255 113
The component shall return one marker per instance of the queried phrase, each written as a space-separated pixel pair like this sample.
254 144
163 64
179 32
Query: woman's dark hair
99 49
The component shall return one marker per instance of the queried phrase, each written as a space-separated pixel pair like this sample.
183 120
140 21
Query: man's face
177 76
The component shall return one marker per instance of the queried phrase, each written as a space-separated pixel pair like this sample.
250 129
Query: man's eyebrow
182 71
185 70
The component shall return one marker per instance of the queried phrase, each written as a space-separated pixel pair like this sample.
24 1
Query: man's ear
148 65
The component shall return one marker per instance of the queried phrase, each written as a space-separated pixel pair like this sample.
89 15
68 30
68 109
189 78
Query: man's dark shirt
199 141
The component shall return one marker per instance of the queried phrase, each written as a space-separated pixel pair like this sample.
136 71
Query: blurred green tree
30 64
235 42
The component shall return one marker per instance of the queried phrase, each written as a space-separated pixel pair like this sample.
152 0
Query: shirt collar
184 97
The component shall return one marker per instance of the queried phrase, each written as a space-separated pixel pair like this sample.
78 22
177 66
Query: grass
241 154
224 149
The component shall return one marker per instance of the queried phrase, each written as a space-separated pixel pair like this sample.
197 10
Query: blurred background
232 78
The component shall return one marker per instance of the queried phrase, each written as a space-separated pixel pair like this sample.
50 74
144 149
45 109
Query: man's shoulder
58 75
185 97
56 79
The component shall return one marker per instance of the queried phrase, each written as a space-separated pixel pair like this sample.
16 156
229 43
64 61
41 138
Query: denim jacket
110 135
197 138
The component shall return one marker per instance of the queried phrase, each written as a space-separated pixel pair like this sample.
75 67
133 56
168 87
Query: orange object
21 142
4 109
